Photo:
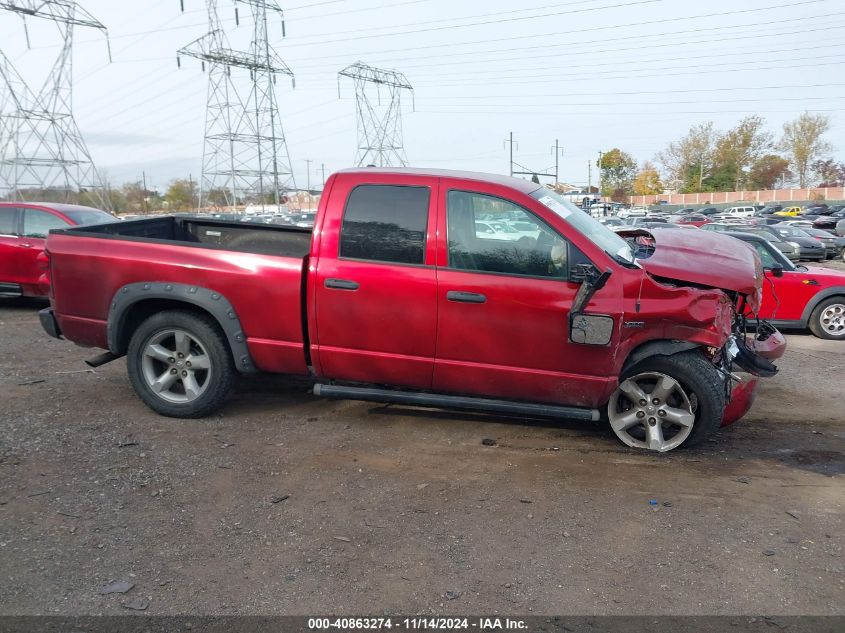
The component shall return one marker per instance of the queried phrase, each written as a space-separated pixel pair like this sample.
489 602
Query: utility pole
323 171
558 152
510 141
144 191
601 175
308 162
590 177
191 189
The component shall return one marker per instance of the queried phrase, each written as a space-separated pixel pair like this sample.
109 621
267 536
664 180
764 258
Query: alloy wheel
652 410
176 366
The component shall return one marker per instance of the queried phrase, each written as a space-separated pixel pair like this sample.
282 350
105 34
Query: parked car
763 220
633 212
790 212
800 296
811 249
828 222
693 219
739 212
647 219
611 222
768 209
23 231
790 250
840 227
815 209
394 289
827 238
708 211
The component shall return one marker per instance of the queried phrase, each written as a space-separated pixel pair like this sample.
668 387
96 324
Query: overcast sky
594 73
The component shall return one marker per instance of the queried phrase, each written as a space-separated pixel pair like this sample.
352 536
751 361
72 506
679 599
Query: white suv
739 212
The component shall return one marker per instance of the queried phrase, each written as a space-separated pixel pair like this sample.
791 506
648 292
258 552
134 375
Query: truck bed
258 268
267 239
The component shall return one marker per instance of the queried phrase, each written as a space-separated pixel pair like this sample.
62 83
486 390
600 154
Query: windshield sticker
556 206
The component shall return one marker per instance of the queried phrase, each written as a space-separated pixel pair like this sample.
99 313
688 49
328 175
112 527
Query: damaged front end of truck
706 288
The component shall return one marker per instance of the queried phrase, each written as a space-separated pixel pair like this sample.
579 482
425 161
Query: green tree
829 172
767 171
688 160
736 150
803 142
180 194
618 170
647 182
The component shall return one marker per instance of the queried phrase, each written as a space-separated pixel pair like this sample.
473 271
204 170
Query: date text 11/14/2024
417 623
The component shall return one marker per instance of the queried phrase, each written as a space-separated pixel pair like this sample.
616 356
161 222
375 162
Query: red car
694 219
23 232
800 296
397 296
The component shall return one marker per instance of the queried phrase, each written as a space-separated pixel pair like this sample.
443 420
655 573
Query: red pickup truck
397 296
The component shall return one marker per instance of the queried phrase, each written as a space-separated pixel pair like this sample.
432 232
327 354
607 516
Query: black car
815 209
708 211
828 222
809 247
828 239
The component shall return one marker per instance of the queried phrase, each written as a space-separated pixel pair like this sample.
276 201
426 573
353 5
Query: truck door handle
465 297
341 284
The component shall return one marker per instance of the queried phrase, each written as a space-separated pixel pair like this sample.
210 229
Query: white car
739 212
633 212
496 231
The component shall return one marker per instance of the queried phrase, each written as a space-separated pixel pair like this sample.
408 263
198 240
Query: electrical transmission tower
41 147
380 140
245 155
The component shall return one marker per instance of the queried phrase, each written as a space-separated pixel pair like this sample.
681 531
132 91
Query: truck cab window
38 223
385 223
8 221
488 234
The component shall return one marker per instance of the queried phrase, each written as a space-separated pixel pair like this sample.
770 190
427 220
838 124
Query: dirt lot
394 509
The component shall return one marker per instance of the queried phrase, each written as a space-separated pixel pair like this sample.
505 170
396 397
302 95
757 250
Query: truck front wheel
179 364
664 402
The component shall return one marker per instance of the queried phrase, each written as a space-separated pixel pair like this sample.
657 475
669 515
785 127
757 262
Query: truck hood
706 259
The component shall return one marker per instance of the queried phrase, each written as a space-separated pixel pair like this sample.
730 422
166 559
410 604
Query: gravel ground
290 504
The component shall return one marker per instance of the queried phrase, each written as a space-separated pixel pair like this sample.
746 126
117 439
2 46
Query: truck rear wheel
179 364
664 402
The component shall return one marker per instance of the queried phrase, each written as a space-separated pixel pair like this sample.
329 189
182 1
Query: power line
558 34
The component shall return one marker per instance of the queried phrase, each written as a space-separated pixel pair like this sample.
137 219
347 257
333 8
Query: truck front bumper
742 397
755 357
49 322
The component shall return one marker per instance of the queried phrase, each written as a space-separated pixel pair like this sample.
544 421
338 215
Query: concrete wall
723 197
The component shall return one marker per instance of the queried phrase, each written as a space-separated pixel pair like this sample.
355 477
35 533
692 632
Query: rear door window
8 221
385 223
38 223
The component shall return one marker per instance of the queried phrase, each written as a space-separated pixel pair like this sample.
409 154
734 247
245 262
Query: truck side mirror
777 271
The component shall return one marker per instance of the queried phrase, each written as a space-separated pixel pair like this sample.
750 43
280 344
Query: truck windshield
594 230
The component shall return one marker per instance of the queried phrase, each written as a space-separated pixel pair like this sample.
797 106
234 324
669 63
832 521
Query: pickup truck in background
395 296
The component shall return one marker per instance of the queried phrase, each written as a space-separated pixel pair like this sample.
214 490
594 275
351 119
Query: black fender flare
827 293
662 347
208 300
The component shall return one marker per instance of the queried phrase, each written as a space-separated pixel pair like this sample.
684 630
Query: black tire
700 380
817 327
220 377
